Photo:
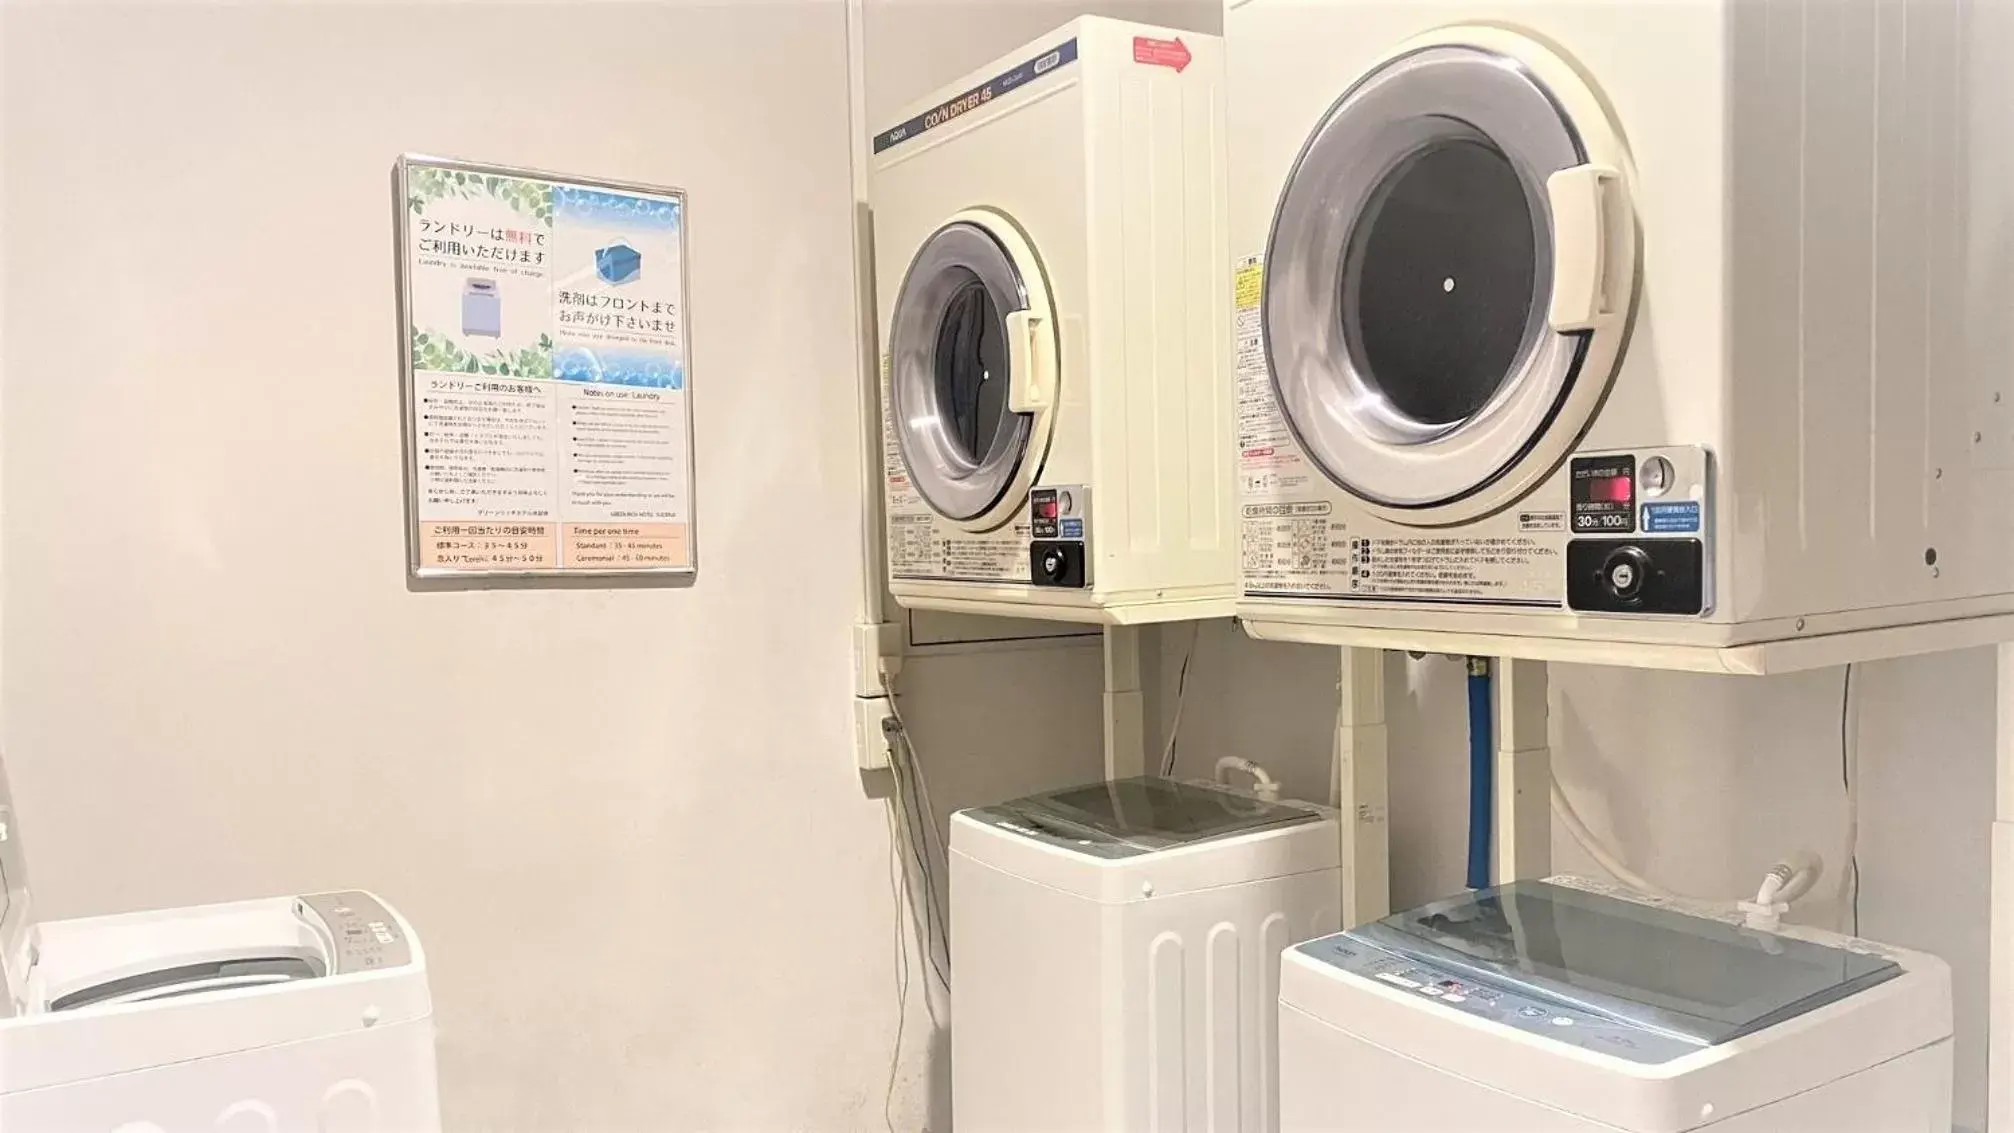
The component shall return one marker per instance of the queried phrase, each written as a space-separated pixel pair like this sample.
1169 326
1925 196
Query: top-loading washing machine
1568 1006
1676 324
1049 244
285 1015
1115 954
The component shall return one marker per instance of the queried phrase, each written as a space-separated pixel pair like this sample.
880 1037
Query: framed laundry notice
545 366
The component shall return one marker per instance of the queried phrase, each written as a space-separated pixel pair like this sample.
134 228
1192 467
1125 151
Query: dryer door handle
1030 368
1586 209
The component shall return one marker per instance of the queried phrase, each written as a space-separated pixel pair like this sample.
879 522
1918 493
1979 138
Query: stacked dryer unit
1679 329
1049 242
1049 248
1667 324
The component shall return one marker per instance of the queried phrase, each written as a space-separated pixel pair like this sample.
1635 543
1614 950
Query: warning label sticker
1541 521
1270 464
1461 568
1304 536
1291 546
1306 549
924 545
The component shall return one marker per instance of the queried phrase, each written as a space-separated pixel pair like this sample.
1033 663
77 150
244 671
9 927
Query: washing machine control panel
1060 551
367 936
1436 988
1639 528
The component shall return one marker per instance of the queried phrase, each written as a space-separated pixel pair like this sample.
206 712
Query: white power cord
1562 807
1785 882
918 823
898 888
911 822
1263 784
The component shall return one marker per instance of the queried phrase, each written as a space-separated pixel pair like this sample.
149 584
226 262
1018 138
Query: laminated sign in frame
544 358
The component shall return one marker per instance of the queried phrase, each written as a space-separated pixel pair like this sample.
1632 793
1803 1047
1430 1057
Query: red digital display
1610 490
1045 509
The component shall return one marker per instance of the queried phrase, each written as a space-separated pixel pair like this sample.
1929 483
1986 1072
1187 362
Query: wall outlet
872 716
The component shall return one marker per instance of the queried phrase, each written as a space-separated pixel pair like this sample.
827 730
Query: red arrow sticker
1161 52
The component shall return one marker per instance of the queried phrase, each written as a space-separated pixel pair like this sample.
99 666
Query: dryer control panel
1060 552
1638 525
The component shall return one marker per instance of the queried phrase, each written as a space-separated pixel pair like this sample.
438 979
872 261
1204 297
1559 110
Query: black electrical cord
1846 781
1181 689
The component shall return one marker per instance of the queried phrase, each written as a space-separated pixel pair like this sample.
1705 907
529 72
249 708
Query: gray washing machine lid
1704 981
1129 817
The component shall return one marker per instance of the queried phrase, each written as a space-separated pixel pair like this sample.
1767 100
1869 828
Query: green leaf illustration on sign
439 353
427 185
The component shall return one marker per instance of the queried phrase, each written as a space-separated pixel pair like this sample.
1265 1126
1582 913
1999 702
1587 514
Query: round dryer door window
972 369
1449 276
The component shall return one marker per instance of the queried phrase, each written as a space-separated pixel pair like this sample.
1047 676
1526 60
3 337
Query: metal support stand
1361 786
1125 708
1523 772
2000 985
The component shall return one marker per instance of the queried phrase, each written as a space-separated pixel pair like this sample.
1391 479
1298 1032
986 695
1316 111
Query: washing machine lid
972 368
1129 817
1703 981
169 954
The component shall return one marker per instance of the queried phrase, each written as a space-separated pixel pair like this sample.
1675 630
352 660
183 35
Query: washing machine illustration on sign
1616 322
1050 297
482 308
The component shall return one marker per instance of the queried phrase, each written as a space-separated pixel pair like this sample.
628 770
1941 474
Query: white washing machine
1570 1007
291 1015
1049 247
1660 323
1115 955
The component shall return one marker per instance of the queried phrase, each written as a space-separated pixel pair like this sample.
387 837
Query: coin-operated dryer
1633 323
290 1013
1049 249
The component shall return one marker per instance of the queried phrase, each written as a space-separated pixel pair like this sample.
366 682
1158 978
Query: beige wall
625 821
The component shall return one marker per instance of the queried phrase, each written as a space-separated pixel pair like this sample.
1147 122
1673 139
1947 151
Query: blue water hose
1482 773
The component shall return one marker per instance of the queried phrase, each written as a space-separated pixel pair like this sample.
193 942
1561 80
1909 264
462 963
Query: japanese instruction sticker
547 412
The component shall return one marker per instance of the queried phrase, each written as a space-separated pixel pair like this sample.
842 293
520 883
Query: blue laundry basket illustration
618 263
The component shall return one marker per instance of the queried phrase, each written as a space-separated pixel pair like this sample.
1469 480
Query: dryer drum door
1449 276
972 370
